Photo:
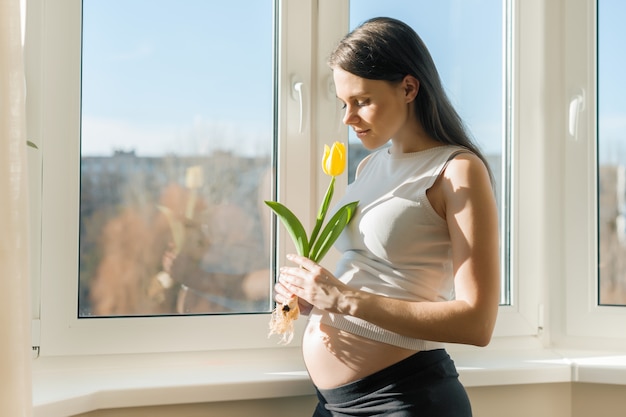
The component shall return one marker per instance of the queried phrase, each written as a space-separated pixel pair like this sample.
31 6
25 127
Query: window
475 86
593 190
295 125
611 155
479 66
177 140
255 103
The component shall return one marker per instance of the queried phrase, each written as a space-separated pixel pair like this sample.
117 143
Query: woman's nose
349 116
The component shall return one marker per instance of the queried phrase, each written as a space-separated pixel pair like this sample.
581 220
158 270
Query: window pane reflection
176 145
611 153
474 85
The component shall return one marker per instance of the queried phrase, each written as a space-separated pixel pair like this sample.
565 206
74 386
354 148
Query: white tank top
396 245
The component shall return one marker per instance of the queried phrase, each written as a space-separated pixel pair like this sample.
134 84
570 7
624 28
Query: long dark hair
387 49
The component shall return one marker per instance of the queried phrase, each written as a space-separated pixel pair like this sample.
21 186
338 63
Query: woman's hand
312 284
282 296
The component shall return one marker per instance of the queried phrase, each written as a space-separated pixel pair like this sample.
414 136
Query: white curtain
15 346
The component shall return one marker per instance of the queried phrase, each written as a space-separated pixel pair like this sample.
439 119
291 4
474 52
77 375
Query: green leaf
332 231
293 226
321 215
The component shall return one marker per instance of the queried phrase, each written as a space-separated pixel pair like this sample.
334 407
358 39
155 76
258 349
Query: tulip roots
282 320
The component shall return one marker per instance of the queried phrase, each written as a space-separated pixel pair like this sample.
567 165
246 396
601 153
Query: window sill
65 386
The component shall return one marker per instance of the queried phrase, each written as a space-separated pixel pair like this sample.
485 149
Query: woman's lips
361 133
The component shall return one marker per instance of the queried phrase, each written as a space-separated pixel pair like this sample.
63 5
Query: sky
189 80
159 78
611 83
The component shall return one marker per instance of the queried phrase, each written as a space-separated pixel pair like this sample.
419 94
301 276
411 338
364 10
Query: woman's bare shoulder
466 169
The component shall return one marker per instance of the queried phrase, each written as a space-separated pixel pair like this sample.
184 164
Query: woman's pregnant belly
334 357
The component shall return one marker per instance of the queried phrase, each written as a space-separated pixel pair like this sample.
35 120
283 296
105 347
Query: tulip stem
321 214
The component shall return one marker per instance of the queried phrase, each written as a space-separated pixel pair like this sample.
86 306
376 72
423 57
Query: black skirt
425 384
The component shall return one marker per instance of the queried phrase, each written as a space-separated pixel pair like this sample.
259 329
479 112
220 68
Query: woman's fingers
281 293
305 263
311 282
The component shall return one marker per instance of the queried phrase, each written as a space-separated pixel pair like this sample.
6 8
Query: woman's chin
372 145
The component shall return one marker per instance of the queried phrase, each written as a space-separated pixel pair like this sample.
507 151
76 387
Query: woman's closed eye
357 103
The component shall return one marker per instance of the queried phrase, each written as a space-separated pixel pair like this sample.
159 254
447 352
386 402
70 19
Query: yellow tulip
315 247
334 160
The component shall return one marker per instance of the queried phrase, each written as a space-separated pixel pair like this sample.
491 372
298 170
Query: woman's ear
411 86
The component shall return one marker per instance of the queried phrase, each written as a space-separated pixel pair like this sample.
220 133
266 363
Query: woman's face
376 110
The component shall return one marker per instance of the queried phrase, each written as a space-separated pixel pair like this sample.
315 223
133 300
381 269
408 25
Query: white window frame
585 322
55 47
521 321
522 318
553 262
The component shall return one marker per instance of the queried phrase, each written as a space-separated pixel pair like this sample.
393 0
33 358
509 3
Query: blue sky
170 59
188 73
611 81
160 78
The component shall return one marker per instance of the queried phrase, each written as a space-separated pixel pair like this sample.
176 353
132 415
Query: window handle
576 106
298 95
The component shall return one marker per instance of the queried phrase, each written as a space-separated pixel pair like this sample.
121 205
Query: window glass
470 59
177 138
611 153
